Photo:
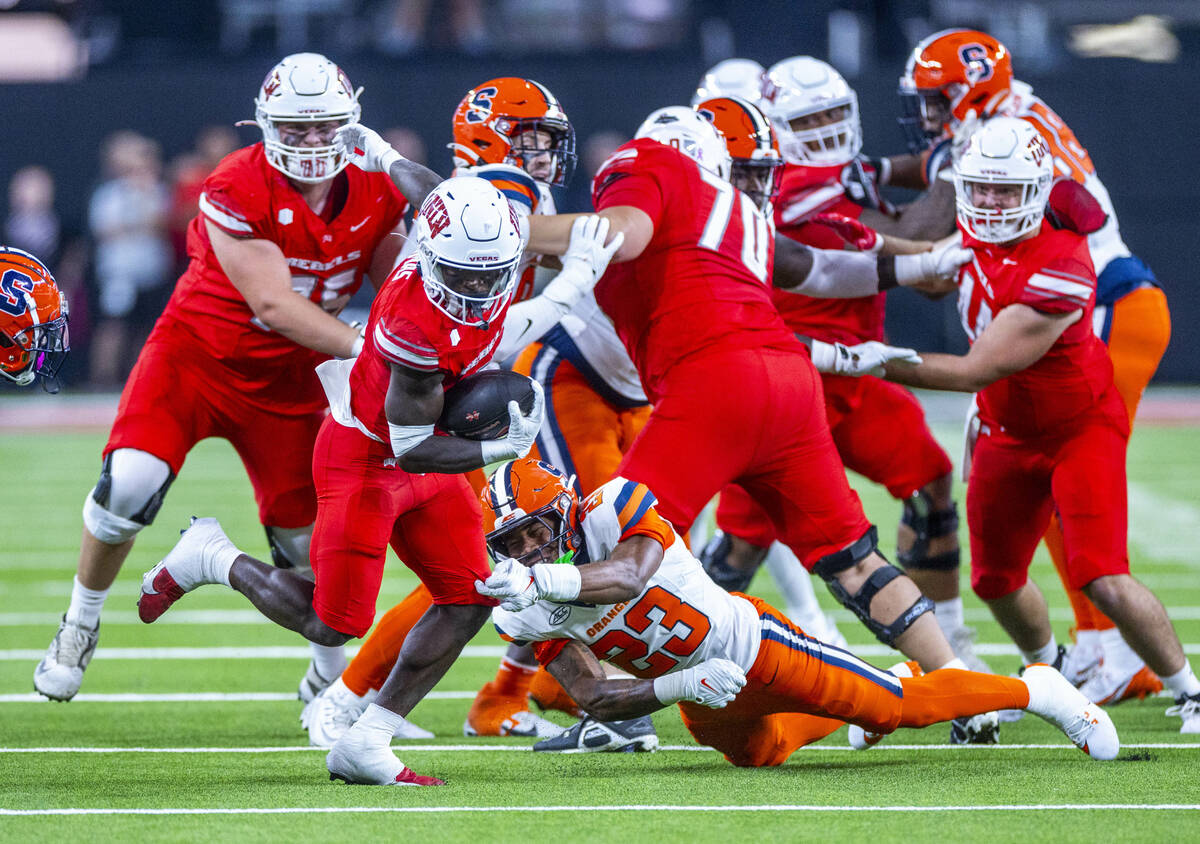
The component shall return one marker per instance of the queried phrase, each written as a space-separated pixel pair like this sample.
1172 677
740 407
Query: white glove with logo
712 683
511 584
365 148
585 260
522 430
937 266
863 359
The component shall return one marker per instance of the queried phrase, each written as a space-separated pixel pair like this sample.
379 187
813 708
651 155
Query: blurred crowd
119 264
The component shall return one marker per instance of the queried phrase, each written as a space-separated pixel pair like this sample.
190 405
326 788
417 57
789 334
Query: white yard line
199 697
449 810
1164 528
520 748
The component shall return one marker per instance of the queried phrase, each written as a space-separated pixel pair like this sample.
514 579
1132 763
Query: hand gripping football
476 408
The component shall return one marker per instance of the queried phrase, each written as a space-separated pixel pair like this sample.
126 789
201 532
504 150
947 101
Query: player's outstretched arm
1016 339
836 274
713 683
259 271
551 234
365 148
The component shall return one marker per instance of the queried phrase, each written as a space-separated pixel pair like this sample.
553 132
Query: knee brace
829 566
289 548
928 524
715 559
131 489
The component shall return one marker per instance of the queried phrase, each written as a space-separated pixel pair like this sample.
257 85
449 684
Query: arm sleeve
837 274
1058 288
525 322
402 343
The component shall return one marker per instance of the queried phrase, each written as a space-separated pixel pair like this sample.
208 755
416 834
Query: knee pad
714 556
831 565
928 524
131 489
289 548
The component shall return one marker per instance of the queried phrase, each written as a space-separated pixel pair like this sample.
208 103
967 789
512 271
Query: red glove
861 237
1071 207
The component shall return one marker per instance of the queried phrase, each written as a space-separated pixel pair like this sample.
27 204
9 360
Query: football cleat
182 570
983 728
1106 686
634 735
60 673
1187 707
962 642
861 739
358 760
334 710
312 683
1054 699
494 714
1081 661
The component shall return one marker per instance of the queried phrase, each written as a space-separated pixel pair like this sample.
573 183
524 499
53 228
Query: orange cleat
494 714
548 693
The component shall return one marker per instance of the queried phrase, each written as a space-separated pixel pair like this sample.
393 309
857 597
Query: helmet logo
977 65
344 81
436 215
481 105
14 286
271 83
1037 148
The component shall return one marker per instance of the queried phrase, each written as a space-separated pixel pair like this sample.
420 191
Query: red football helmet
515 121
527 496
33 320
949 74
753 146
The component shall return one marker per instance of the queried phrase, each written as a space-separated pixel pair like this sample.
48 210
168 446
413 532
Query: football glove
511 584
863 359
940 264
712 683
861 237
861 179
522 430
364 148
584 261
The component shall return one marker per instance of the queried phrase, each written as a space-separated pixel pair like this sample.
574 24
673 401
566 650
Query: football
476 408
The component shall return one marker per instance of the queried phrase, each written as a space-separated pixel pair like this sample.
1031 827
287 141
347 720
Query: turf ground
226 758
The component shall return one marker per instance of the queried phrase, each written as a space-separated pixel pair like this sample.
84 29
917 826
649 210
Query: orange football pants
800 690
1137 340
583 434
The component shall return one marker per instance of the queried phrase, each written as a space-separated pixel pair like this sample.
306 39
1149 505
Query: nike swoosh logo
704 683
360 225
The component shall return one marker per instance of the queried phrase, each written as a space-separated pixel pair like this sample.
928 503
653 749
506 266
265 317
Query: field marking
198 697
1165 527
418 810
521 748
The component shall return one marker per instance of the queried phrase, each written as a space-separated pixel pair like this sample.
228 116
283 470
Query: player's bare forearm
413 180
414 402
443 456
929 217
307 324
624 575
601 697
938 372
386 254
907 171
551 235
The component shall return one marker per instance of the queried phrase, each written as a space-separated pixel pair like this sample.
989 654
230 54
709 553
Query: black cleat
591 736
978 729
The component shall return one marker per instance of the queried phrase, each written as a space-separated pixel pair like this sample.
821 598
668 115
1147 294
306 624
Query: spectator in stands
32 223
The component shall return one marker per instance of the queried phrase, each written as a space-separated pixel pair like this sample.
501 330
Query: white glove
511 584
522 430
364 148
863 359
585 260
712 683
940 264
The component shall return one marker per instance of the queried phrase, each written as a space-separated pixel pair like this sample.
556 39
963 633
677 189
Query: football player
953 81
384 477
735 394
1053 426
33 321
609 579
284 237
879 428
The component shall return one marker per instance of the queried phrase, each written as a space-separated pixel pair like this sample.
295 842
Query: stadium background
168 69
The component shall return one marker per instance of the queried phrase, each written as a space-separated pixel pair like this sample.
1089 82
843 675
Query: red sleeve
402 342
629 177
1061 285
236 201
548 651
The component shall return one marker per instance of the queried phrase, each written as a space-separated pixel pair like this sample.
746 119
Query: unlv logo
974 58
344 81
436 215
271 83
1038 148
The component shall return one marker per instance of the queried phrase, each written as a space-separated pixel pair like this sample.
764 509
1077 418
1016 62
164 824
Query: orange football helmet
524 492
33 320
495 124
949 74
753 146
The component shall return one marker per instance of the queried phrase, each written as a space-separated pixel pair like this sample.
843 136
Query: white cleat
360 758
334 711
1080 662
185 567
60 673
1187 708
1054 699
861 739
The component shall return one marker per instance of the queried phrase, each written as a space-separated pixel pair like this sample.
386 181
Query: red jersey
1052 273
248 198
703 282
406 329
804 192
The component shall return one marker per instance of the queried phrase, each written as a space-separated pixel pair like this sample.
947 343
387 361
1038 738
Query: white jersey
679 620
587 338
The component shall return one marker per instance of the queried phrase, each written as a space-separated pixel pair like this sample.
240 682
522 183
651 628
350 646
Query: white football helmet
684 129
305 88
802 86
1003 151
731 78
469 246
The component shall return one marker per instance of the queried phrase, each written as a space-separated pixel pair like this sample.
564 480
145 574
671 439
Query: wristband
884 169
558 583
824 355
671 688
493 451
389 158
357 346
407 437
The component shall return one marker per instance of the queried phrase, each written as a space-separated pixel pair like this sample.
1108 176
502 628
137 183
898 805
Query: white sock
376 719
956 663
1182 682
1046 653
85 605
329 661
949 615
217 562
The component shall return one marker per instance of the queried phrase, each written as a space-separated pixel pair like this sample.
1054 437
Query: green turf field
239 769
